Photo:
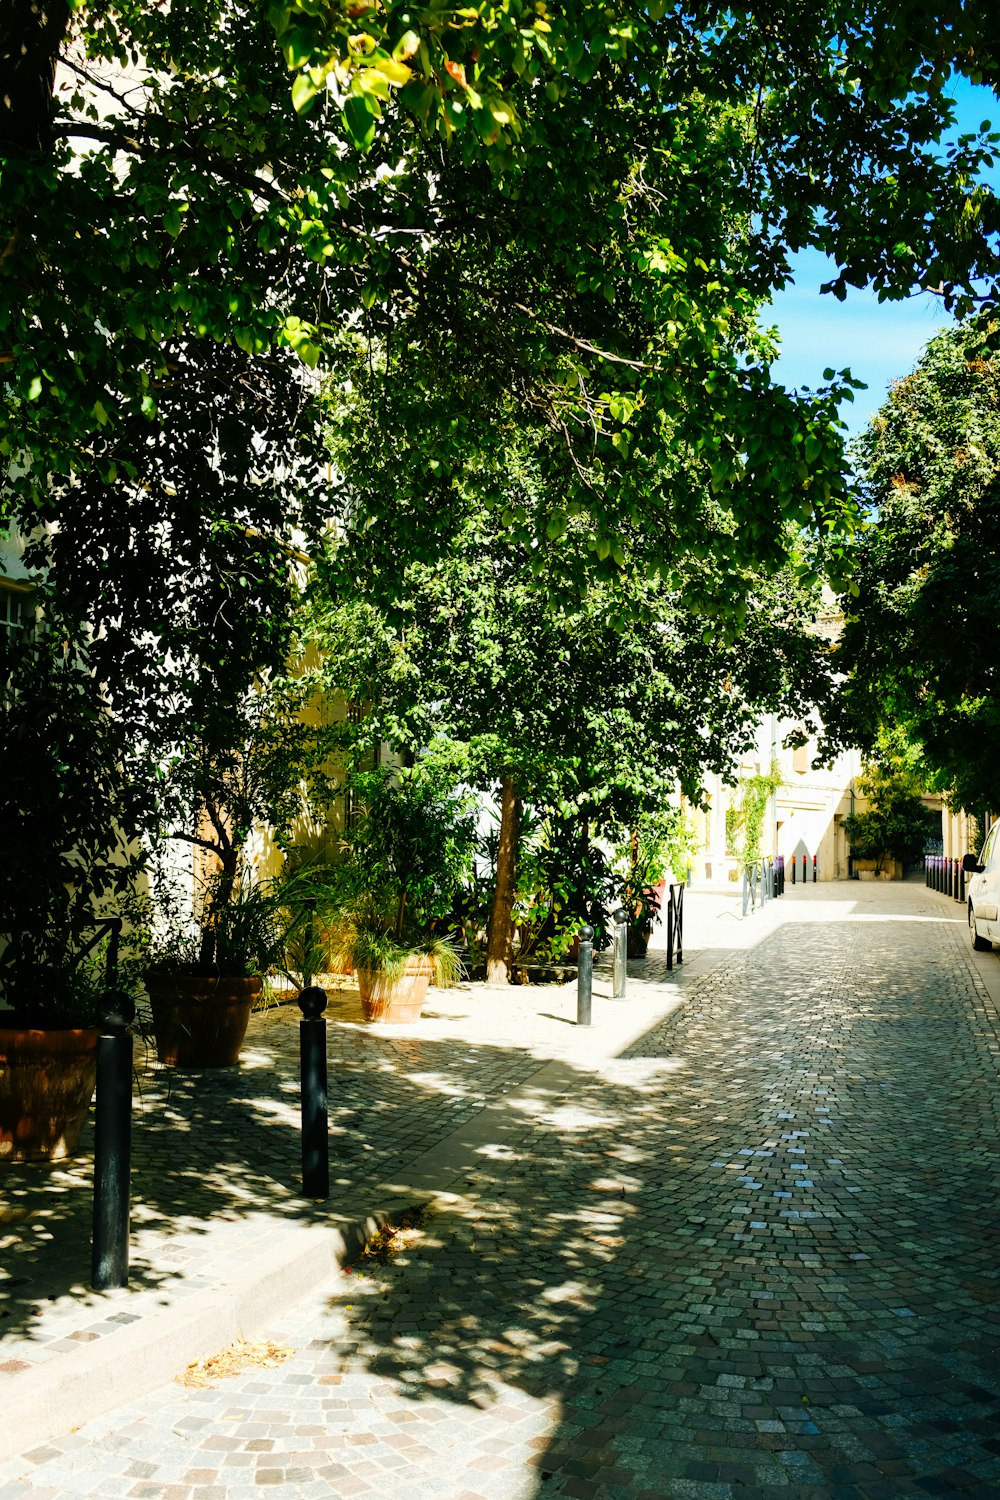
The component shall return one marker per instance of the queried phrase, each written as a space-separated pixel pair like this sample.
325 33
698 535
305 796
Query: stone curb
59 1396
62 1395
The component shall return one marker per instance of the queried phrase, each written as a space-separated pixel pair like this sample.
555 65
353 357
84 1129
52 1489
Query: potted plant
207 963
251 763
48 1058
63 798
659 845
405 862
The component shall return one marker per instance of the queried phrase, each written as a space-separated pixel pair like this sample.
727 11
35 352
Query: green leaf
304 91
359 122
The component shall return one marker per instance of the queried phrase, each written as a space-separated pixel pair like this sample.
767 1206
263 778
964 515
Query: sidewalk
749 1253
222 1242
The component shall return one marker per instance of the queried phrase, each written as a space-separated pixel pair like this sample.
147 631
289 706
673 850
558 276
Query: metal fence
675 925
763 881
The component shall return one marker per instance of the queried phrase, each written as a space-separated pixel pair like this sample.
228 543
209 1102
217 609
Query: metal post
315 1120
814 869
112 1146
619 956
585 976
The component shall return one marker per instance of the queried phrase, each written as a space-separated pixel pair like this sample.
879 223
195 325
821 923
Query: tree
596 202
573 216
896 824
921 643
548 701
172 579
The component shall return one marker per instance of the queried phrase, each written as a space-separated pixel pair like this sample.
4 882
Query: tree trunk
31 33
501 917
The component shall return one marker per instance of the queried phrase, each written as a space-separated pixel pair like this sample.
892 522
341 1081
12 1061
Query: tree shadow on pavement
752 1254
216 1163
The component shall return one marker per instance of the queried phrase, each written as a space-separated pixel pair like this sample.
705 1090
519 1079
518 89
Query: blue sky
878 341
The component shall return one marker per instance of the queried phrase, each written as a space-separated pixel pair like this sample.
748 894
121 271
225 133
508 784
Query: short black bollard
315 1126
585 976
619 972
112 1146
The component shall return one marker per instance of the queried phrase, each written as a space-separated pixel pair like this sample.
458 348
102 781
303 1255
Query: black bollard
112 1146
585 976
315 1126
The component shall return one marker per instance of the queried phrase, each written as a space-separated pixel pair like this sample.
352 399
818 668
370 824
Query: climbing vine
745 814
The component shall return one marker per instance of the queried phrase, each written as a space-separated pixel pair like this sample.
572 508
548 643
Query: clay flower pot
396 1000
200 1023
46 1084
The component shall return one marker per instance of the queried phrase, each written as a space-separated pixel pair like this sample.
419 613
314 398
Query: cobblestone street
755 1253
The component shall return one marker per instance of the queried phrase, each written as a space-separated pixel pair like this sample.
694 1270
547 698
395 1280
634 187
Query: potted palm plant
207 963
48 1056
658 848
63 798
406 860
218 928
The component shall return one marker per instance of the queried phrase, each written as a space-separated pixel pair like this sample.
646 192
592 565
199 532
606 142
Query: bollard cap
586 934
118 1009
619 915
312 1002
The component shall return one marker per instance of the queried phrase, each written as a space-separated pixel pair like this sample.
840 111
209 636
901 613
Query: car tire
981 944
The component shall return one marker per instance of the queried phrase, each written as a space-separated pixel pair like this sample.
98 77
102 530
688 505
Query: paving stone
665 1285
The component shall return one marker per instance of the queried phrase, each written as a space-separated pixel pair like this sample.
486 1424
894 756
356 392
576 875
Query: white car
983 892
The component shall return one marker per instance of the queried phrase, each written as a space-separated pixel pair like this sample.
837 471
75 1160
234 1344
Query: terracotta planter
638 941
200 1023
396 1000
46 1085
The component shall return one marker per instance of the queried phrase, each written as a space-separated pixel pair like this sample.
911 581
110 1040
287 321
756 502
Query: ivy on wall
745 814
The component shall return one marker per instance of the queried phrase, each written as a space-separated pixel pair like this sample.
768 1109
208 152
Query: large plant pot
46 1085
638 941
200 1023
396 1000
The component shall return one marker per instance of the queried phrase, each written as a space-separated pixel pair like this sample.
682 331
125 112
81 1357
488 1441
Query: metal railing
675 924
763 881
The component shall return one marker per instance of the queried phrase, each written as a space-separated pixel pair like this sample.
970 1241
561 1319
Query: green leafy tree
921 643
575 214
559 707
591 205
896 824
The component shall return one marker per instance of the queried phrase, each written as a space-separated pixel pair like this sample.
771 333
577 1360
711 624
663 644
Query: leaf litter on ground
237 1358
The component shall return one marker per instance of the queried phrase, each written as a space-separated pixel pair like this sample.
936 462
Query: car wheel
981 944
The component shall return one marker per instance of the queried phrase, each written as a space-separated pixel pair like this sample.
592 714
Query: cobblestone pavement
216 1155
754 1254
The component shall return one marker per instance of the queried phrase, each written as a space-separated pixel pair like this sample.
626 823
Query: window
14 615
